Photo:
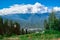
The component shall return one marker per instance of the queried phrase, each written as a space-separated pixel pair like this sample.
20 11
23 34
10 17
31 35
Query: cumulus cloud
21 8
56 8
28 8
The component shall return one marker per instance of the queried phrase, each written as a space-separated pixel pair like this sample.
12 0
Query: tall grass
48 35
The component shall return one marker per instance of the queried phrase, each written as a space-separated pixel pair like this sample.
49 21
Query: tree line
8 27
53 23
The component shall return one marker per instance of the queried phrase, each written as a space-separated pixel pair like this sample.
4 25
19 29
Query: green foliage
53 23
16 28
1 26
26 31
52 32
38 36
7 27
46 25
52 19
23 32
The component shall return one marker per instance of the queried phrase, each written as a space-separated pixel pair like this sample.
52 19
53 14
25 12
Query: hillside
28 20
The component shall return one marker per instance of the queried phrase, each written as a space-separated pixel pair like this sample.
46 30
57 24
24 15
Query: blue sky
49 3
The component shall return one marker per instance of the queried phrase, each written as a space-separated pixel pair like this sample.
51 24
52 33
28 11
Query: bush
52 32
1 37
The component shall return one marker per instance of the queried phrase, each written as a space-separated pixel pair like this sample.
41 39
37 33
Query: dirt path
55 39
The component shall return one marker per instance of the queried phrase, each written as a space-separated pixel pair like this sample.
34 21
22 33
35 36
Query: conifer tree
23 32
1 26
16 28
46 25
26 31
52 19
6 27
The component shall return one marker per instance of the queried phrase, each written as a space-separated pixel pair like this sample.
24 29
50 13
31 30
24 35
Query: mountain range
29 20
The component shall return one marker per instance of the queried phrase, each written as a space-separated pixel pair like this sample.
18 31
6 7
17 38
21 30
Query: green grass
36 36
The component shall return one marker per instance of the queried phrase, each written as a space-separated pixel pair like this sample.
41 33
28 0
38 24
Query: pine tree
52 19
1 26
6 27
26 31
23 32
46 25
57 25
11 27
16 28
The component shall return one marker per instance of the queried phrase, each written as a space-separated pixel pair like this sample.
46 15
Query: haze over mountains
29 20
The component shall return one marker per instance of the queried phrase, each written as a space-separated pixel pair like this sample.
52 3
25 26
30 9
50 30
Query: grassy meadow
49 35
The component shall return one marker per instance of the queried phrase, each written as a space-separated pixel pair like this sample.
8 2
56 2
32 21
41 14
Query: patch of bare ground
11 38
55 39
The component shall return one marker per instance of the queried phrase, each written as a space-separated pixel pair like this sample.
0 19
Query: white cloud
28 8
56 8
